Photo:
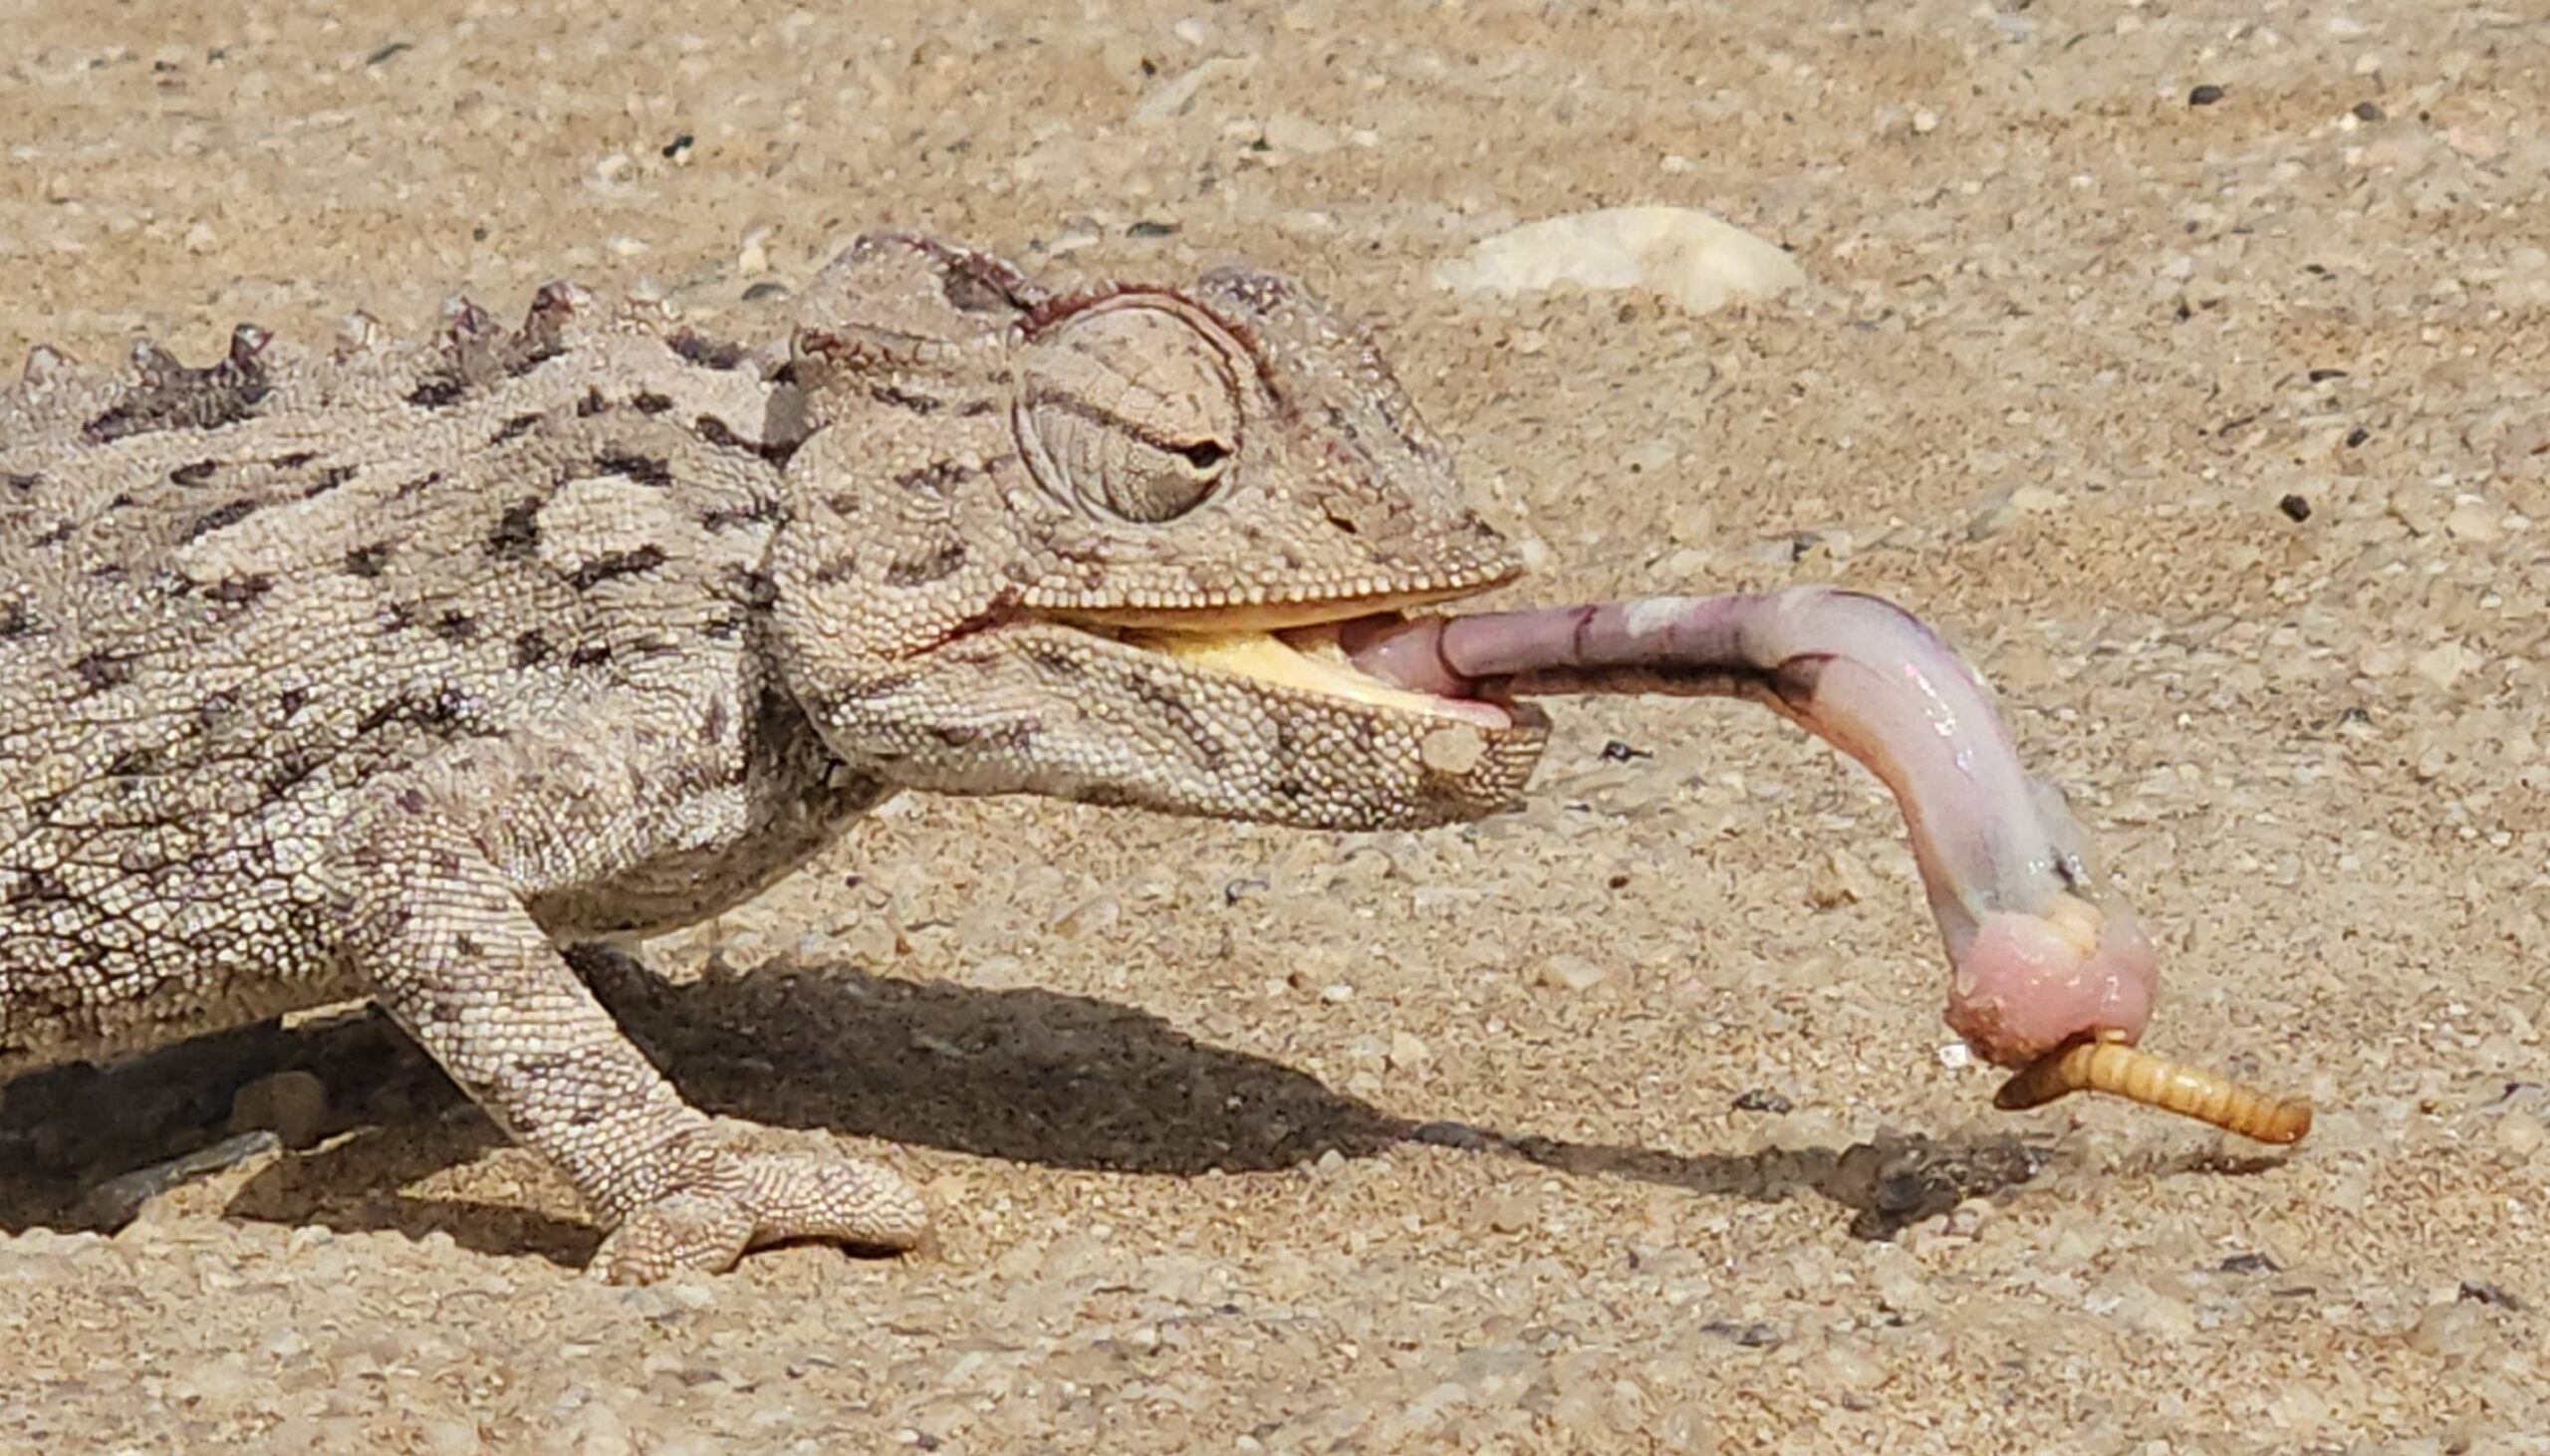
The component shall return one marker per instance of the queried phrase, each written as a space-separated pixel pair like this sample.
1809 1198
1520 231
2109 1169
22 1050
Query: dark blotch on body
437 391
233 590
204 399
219 517
101 670
329 479
919 570
517 532
644 469
616 564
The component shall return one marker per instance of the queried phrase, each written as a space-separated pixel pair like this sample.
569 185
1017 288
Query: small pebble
292 1104
2296 508
1969 1218
2444 665
2520 1134
2367 112
1839 879
2204 96
1408 1050
1847 1367
1750 1334
2449 1331
1299 136
1572 973
2472 518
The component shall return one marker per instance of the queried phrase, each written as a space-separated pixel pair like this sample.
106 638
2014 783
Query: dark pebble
2475 1291
676 147
1617 752
2250 1264
1762 1099
1751 1335
1150 229
2367 112
768 288
2204 96
2358 436
2296 508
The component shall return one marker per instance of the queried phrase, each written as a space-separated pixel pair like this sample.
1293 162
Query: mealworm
2107 1063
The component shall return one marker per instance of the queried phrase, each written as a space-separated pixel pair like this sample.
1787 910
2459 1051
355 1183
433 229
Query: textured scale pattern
387 671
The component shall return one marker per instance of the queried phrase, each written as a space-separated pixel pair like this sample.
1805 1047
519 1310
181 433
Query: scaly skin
387 672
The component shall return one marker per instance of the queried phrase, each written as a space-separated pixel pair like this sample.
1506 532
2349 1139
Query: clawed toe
751 1199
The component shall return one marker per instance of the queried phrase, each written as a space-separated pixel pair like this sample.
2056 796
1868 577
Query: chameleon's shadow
1026 1075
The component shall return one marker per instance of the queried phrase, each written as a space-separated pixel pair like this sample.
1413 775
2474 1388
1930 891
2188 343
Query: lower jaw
1311 657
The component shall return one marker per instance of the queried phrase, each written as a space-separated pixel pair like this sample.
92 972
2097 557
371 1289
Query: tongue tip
2027 983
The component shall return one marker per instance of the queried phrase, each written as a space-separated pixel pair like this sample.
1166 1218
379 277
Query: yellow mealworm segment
2109 1065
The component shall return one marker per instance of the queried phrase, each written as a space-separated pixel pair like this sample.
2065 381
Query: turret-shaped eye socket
1134 409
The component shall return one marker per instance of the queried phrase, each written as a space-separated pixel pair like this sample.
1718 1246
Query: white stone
1698 261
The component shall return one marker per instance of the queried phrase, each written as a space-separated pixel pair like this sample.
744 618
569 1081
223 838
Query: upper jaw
1273 605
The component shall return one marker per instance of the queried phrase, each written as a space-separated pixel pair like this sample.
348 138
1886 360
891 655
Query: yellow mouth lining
1307 660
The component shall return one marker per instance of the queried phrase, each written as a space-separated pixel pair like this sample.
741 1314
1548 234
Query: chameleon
397 670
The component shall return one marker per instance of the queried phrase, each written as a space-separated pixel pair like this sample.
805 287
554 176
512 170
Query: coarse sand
2183 361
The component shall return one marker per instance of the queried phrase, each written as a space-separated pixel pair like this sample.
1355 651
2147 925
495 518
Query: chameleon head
1099 545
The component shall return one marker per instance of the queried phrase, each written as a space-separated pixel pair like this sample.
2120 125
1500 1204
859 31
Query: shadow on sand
1027 1075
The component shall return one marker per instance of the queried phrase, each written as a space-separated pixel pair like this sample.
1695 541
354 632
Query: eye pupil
1205 455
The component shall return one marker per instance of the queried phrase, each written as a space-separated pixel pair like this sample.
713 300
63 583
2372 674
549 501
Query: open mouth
1312 659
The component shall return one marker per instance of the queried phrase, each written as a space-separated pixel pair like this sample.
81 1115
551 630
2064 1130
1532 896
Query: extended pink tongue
2039 955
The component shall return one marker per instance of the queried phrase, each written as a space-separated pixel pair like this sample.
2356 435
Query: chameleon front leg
436 873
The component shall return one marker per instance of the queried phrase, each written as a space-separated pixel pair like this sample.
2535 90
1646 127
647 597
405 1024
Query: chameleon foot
745 1200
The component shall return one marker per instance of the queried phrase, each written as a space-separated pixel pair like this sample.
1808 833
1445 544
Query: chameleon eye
1131 411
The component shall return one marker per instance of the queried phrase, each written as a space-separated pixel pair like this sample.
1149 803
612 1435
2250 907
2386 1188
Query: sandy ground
1617 1122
